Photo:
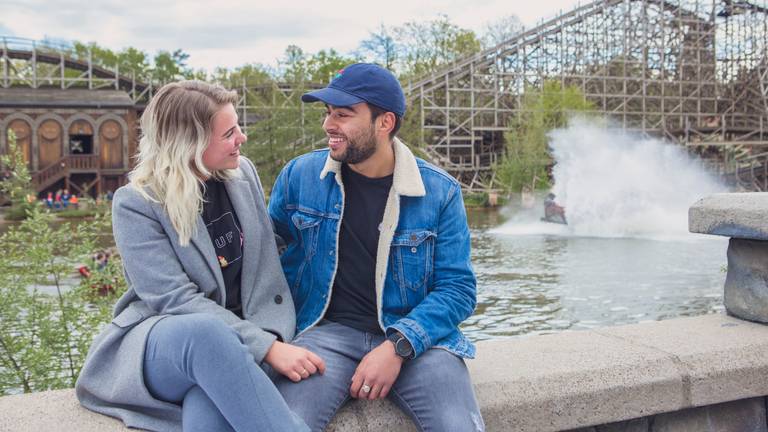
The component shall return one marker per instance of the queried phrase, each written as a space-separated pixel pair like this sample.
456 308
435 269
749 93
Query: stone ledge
543 383
740 215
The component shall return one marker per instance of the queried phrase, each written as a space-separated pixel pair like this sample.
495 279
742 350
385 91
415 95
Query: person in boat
553 212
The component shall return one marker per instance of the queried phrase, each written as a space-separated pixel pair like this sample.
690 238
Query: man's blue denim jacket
425 285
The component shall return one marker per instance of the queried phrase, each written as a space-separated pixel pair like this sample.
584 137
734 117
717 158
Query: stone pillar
744 218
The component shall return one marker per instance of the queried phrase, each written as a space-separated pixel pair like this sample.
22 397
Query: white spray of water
616 184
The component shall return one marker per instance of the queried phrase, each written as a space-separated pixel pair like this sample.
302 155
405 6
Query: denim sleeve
452 295
277 201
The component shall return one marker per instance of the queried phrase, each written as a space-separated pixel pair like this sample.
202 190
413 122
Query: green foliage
501 30
281 134
426 46
78 213
166 66
132 60
411 131
250 75
527 158
484 199
298 67
324 65
16 213
48 317
285 127
380 47
128 61
170 66
477 199
16 183
419 47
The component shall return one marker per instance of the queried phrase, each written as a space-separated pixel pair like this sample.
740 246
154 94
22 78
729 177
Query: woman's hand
294 362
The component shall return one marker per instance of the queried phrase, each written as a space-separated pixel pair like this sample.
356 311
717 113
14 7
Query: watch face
403 347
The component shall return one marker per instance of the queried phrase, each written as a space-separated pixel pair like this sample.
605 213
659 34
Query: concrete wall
643 377
702 374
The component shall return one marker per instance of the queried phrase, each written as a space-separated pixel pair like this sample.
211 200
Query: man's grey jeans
434 389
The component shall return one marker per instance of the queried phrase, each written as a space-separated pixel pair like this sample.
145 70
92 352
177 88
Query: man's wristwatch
403 347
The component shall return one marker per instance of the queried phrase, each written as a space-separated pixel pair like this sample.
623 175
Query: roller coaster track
61 59
682 70
689 71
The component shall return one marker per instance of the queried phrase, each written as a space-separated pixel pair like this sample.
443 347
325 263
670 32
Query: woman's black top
227 238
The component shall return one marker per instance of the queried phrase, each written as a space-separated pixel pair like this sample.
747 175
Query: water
615 184
626 255
543 283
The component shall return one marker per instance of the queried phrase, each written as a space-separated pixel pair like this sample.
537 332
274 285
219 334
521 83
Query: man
378 263
552 211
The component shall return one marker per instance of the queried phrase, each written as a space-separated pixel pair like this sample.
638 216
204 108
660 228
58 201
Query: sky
237 32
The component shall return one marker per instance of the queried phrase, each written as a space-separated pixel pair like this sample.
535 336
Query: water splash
617 184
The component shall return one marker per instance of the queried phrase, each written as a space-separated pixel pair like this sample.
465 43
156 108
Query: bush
16 182
18 211
527 160
46 330
476 199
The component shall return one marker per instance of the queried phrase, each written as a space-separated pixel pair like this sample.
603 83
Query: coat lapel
202 242
246 208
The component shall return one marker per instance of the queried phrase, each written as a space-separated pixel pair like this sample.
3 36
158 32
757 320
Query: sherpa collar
407 178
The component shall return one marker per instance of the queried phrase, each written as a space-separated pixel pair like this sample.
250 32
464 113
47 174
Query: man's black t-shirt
353 302
227 238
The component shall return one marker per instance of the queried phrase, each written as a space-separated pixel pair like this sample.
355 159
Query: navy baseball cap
362 82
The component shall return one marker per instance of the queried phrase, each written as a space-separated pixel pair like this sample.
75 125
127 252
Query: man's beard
358 149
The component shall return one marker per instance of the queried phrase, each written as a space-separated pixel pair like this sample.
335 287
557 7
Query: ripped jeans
434 390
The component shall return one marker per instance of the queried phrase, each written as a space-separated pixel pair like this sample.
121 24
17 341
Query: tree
47 319
379 48
170 66
167 66
501 30
323 66
16 182
46 324
426 46
133 61
293 65
99 55
527 157
249 75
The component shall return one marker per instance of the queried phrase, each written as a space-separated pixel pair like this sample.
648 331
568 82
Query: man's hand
294 362
378 370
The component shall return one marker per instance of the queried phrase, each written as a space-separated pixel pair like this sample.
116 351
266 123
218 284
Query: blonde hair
176 128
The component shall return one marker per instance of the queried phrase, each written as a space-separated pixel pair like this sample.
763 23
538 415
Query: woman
207 301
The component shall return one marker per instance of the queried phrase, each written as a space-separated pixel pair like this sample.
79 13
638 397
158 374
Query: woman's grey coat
164 279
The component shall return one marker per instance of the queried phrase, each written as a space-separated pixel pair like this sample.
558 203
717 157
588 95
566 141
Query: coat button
413 237
278 299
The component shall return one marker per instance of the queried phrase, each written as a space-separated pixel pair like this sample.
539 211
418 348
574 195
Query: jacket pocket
129 317
411 255
308 227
